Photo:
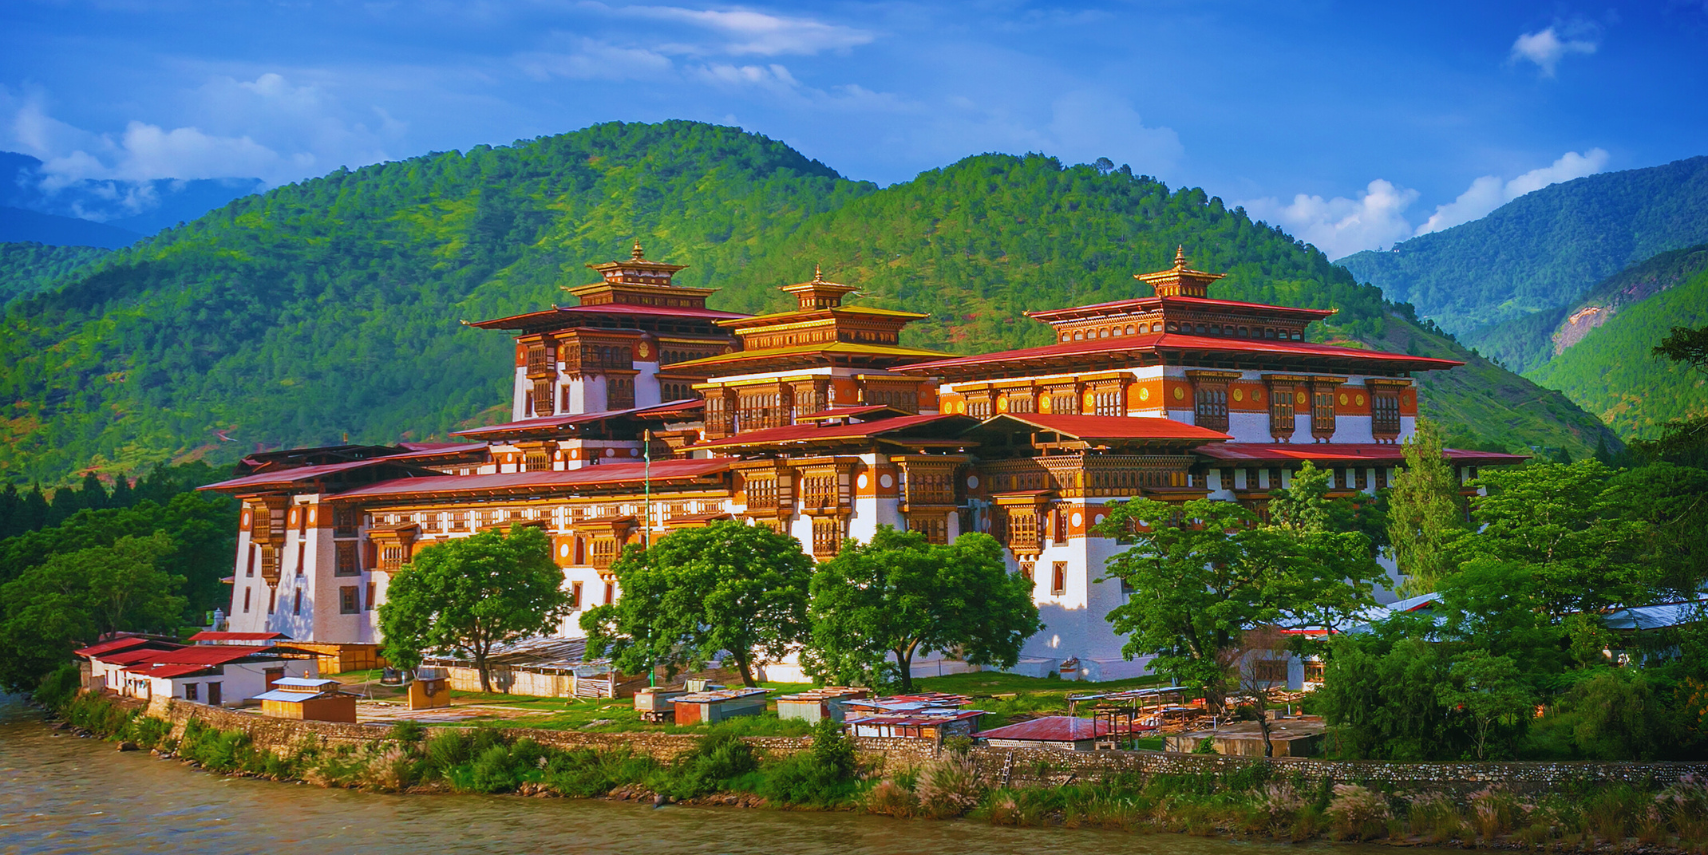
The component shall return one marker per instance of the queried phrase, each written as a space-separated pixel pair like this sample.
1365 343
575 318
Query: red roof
1054 728
1153 301
1320 452
186 660
208 635
116 645
1150 343
792 434
607 473
548 423
1113 427
531 319
299 474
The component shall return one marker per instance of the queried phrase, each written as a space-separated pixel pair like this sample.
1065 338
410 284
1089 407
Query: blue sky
1353 125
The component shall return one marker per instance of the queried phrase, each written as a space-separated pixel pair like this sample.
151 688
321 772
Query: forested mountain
330 307
26 268
1614 373
1545 249
1525 344
18 225
106 212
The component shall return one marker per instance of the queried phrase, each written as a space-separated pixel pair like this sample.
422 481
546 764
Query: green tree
1381 693
78 597
877 605
1490 691
728 587
1425 512
469 595
1203 574
1560 521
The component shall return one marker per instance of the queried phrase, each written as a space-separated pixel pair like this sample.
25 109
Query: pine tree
33 511
93 494
11 506
122 496
1425 513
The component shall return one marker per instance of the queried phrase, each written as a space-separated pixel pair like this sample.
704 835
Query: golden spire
1179 256
636 252
817 275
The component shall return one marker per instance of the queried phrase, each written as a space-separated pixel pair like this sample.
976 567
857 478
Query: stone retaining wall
1001 766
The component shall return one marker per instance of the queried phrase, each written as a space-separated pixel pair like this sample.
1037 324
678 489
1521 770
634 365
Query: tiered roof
632 293
819 331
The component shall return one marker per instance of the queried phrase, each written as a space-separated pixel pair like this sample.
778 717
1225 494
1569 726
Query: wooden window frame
348 601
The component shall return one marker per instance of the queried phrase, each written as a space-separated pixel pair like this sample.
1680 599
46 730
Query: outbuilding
818 704
1061 732
715 706
308 700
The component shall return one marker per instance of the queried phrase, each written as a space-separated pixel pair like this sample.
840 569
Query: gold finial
1179 256
636 252
817 275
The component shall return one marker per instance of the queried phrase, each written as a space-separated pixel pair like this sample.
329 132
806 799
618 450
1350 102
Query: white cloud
588 59
1546 48
747 32
1488 192
1342 226
266 128
1086 125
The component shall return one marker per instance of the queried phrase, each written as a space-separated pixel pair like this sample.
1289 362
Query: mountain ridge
330 307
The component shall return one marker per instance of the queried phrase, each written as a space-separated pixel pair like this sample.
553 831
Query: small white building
218 675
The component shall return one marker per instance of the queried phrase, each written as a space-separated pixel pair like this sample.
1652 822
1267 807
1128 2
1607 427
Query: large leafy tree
78 596
1425 512
1205 573
877 605
471 595
694 593
1559 520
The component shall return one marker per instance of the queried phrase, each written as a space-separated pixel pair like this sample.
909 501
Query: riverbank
826 772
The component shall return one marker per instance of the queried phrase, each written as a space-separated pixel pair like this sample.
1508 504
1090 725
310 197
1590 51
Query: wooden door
273 675
213 694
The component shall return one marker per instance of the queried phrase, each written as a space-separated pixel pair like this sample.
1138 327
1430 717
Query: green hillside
330 307
1545 249
1525 344
1613 373
26 268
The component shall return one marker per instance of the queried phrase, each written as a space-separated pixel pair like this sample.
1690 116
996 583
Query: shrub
449 750
949 786
1434 817
1496 811
494 771
821 776
148 731
891 798
1279 804
408 732
59 687
712 766
1358 813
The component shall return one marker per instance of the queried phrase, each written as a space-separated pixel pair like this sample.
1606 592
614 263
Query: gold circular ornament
1256 395
1144 394
1043 405
1343 399
1239 394
1002 405
1360 400
644 349
1179 394
1090 400
1300 398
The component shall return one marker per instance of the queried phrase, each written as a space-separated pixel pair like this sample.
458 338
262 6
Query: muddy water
61 794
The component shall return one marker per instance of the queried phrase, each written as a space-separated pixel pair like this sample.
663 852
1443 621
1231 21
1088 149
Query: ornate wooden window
1281 420
1064 400
347 601
345 518
542 397
810 398
1021 402
619 393
1322 411
904 398
719 415
349 562
1028 569
603 551
1381 477
927 486
761 493
820 491
1021 530
539 360
759 410
826 536
392 557
270 563
1058 578
537 460
1059 525
1210 407
934 526
1385 413
1109 401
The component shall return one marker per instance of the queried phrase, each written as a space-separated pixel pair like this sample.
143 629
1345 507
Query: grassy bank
725 769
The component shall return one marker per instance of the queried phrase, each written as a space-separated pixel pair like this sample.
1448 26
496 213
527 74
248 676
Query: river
62 794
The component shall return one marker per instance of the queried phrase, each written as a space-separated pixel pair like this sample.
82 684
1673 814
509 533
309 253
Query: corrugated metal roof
115 645
295 697
208 635
1055 728
718 696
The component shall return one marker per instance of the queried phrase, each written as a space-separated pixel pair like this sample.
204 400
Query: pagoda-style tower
615 350
822 354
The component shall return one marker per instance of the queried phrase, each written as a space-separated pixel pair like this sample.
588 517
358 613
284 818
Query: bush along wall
1251 800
